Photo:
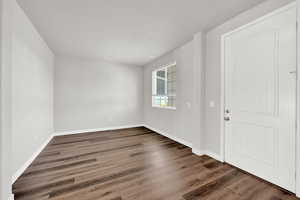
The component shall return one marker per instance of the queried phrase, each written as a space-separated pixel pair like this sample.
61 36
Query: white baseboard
179 140
12 197
198 152
208 153
21 170
60 133
214 156
31 159
39 150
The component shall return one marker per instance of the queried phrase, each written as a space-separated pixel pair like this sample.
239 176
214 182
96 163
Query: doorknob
227 118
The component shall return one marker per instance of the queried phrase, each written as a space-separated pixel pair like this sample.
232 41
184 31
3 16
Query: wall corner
199 91
298 111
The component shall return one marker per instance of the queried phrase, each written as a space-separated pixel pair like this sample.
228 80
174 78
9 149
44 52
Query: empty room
149 100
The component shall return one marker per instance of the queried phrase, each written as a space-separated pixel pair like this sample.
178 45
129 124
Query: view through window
164 87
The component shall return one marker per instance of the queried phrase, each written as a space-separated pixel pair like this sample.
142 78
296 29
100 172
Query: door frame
6 10
222 86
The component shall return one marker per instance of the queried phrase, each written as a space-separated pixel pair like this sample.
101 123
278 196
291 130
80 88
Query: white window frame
154 86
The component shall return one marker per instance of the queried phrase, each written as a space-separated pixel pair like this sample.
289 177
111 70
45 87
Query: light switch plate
188 105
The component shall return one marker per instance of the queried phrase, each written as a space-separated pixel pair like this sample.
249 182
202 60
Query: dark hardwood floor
134 164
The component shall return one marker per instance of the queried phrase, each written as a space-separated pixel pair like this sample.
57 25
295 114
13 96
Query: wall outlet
188 105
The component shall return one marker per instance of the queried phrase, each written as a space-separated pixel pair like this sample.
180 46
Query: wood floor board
134 164
85 170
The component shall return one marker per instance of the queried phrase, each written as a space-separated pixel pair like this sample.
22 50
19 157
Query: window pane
157 100
161 73
171 81
164 85
161 87
163 101
171 101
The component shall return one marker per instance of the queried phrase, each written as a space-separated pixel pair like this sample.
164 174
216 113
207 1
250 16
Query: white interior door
260 98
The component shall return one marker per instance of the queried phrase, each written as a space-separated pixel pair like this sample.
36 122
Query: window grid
164 87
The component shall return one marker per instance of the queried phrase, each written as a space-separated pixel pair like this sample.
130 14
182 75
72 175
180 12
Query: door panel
260 94
247 62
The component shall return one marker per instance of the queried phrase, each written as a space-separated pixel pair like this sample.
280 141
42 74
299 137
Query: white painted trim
214 156
208 153
59 133
298 107
222 100
21 170
181 141
198 152
12 197
194 150
298 157
6 11
39 150
164 107
222 93
260 19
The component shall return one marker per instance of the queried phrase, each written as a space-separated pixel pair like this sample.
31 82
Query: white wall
298 113
94 94
5 99
183 123
178 124
32 89
213 66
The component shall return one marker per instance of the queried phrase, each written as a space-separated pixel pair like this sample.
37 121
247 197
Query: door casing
222 95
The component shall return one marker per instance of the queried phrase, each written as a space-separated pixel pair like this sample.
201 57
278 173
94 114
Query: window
164 87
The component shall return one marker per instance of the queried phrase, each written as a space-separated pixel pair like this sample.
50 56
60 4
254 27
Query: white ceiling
126 31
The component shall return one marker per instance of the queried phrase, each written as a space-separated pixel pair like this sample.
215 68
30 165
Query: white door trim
6 9
298 108
222 86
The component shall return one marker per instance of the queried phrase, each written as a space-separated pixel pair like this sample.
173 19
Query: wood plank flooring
134 164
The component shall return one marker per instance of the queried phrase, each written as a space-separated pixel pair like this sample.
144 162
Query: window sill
167 108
